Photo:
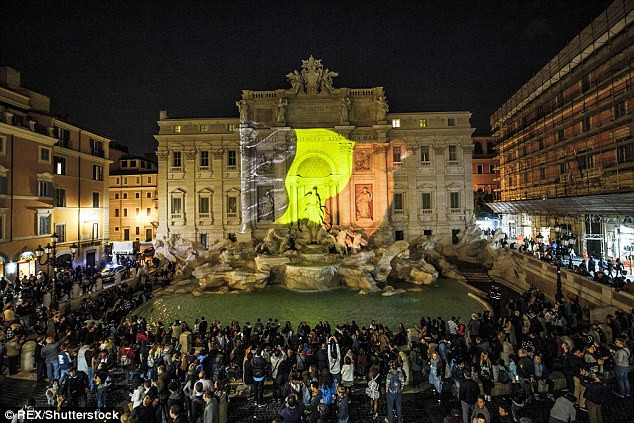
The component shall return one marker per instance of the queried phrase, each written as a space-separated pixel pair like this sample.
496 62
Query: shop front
26 264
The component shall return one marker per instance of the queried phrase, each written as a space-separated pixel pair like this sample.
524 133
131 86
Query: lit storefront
26 264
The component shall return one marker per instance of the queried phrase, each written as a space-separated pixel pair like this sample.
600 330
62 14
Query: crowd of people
177 373
608 271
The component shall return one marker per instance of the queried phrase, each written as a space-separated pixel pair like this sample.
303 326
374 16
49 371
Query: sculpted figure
243 108
313 210
266 207
345 109
326 80
381 107
296 81
364 202
342 245
281 110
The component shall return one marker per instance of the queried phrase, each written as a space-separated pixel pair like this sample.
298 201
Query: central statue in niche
313 207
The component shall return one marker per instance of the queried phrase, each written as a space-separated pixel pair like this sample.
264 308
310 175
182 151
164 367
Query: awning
618 204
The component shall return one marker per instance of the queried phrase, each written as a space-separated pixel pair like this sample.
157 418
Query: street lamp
51 257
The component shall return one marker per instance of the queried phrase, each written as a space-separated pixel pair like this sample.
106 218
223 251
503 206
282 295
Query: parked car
109 273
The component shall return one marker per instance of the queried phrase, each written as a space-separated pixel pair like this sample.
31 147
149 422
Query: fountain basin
311 277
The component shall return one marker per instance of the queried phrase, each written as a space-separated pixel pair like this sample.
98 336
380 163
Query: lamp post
51 256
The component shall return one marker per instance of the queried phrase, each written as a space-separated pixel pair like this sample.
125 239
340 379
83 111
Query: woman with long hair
373 391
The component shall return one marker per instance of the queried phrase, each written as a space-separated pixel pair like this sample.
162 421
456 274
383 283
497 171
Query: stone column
27 356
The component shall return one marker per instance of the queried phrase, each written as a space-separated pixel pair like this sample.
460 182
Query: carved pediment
312 79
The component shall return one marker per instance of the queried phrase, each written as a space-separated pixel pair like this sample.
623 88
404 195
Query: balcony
398 211
177 215
203 168
425 163
232 168
204 215
455 211
426 211
397 165
176 169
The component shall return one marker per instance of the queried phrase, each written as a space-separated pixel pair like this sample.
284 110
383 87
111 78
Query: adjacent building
53 179
565 142
485 163
317 153
133 199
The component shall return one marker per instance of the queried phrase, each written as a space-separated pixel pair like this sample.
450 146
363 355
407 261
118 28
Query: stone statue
381 108
341 246
243 108
326 80
281 110
364 204
358 241
266 207
285 242
269 244
264 164
296 81
345 109
313 209
362 161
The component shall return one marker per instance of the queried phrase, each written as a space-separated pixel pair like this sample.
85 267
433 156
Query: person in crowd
563 410
481 409
468 395
372 390
394 383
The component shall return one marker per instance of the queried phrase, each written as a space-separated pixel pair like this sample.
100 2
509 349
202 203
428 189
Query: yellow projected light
320 170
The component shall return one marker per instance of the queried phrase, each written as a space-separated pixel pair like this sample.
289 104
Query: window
560 100
3 146
563 168
398 203
396 123
44 155
60 230
231 127
477 148
60 197
44 189
426 201
396 154
96 200
424 154
126 234
203 206
586 124
125 181
491 168
125 212
399 235
540 110
176 159
116 181
177 203
116 229
204 128
510 181
453 153
232 160
624 153
125 195
44 224
63 138
490 147
542 173
148 195
116 196
148 234
422 123
96 148
454 200
427 232
149 179
137 195
177 129
479 169
525 177
204 159
4 186
232 206
523 151
138 211
97 173
124 163
59 165
132 163
95 230
540 143
138 180
203 240
585 161
116 212
619 110
137 231
451 122
148 211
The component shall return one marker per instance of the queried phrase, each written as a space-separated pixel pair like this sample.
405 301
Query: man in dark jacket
595 395
292 410
322 359
75 388
468 395
145 413
164 378
258 364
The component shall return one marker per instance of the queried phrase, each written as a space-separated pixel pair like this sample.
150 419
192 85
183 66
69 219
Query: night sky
111 66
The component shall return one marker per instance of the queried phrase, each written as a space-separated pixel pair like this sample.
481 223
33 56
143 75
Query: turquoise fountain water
444 298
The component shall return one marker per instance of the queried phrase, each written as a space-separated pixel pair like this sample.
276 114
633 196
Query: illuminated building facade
53 178
485 164
133 199
314 153
565 142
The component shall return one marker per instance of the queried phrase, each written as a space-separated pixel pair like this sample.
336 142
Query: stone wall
519 271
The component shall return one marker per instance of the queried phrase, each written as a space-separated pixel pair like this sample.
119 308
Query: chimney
163 115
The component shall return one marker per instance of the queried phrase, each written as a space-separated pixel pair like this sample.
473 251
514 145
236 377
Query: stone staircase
477 278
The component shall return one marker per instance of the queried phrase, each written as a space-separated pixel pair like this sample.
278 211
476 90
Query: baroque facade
314 153
53 179
565 142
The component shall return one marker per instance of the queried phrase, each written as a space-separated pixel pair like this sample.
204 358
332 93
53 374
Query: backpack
327 393
395 386
503 376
